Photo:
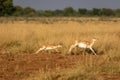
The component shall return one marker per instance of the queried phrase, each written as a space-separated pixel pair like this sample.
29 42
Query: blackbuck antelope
49 48
83 44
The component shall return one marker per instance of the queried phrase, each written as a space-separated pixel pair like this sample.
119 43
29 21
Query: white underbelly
81 45
49 48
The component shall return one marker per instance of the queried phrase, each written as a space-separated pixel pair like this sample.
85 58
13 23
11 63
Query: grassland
25 37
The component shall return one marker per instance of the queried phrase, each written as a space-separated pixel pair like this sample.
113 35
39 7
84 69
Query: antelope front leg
56 50
71 48
93 51
41 49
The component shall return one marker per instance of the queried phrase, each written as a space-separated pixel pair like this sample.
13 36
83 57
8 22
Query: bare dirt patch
21 66
16 67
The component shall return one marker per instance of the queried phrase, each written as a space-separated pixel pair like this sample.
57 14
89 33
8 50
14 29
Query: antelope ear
76 41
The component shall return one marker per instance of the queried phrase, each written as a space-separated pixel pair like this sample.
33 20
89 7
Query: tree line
7 9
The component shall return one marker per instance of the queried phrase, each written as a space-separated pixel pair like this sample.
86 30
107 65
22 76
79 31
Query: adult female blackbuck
83 44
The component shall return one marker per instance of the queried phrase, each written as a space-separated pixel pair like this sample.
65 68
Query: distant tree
40 13
96 11
6 7
48 13
89 13
82 12
29 12
69 11
107 12
18 11
58 13
117 12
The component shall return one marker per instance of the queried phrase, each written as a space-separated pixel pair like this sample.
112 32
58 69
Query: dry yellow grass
22 37
34 35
